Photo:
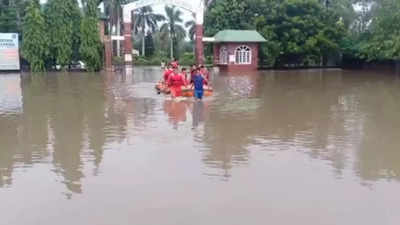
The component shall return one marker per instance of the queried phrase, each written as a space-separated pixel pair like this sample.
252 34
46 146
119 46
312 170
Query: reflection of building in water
245 84
124 107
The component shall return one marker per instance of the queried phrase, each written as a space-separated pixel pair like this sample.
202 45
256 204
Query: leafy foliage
90 48
383 42
63 19
35 45
149 50
191 25
145 19
8 16
300 32
173 30
11 15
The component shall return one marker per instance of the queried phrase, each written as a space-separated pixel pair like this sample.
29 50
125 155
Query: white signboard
128 58
9 51
232 59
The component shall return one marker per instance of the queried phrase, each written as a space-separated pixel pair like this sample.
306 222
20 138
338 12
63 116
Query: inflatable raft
188 92
161 87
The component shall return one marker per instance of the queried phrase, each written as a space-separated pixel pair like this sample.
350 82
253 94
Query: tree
113 9
306 32
145 18
149 51
35 41
191 25
63 19
383 42
91 47
8 16
228 14
173 30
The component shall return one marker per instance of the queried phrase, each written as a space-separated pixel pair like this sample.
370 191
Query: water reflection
68 121
198 113
176 111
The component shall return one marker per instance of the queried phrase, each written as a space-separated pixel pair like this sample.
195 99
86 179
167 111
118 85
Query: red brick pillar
199 44
128 43
107 53
216 54
101 29
106 40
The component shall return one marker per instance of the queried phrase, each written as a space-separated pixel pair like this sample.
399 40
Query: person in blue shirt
198 82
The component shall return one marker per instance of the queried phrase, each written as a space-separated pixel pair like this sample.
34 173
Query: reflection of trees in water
9 148
68 117
123 108
229 128
318 114
58 112
379 153
68 126
24 137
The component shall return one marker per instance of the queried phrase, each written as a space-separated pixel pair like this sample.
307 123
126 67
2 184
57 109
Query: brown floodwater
309 147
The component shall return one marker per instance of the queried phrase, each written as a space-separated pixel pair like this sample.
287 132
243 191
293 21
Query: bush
150 61
117 60
141 61
209 60
187 59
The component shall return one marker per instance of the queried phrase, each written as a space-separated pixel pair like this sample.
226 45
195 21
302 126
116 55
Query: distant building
236 49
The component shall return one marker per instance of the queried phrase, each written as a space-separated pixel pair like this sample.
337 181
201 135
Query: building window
223 55
243 55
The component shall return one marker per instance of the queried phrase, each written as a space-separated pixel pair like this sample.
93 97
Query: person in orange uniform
175 63
184 74
167 72
175 82
192 72
204 72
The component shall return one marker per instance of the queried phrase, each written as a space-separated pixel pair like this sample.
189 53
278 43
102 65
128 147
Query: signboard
232 59
9 51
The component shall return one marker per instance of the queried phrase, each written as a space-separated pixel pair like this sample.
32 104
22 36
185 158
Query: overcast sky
159 8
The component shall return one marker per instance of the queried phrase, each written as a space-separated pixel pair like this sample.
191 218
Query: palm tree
172 29
146 18
191 25
192 29
113 9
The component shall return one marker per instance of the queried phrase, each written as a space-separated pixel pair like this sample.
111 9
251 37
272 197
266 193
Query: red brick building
236 49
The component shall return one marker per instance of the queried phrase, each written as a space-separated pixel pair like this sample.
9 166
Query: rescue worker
175 82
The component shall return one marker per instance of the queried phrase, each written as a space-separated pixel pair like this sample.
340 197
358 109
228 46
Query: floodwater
312 147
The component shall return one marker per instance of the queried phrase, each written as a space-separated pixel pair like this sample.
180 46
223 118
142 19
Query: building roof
238 36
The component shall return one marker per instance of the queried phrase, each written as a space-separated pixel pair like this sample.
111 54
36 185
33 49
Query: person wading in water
175 82
198 82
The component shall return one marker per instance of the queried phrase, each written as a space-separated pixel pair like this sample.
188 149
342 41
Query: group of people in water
177 79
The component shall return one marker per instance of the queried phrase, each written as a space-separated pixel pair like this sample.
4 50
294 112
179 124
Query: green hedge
186 60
